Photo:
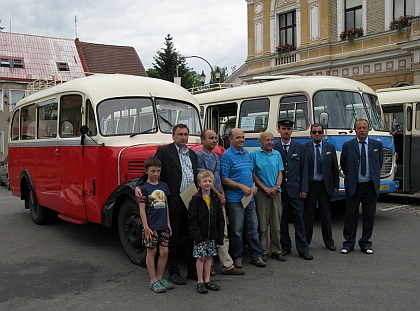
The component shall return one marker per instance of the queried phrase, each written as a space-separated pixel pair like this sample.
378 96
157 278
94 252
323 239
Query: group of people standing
287 179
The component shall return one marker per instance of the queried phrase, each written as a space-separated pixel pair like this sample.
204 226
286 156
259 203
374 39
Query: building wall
380 58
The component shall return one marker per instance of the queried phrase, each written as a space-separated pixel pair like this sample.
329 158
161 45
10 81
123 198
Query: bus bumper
387 186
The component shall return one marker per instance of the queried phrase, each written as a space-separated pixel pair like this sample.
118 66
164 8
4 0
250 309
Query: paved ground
72 267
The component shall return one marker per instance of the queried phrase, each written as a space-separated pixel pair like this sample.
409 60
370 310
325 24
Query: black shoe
331 248
347 250
177 279
286 252
367 251
306 256
210 285
192 276
278 257
265 257
201 288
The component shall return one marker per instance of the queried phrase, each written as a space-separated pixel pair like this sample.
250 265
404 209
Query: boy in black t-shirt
154 215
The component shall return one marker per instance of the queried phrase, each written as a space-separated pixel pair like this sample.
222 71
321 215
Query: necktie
318 160
285 148
363 159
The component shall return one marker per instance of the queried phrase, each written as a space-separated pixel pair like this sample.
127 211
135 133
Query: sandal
210 285
201 288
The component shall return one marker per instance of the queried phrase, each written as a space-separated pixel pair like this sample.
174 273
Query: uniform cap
287 123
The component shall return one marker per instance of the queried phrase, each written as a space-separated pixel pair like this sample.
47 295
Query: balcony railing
284 59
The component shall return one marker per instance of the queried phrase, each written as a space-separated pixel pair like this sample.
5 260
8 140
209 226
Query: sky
215 30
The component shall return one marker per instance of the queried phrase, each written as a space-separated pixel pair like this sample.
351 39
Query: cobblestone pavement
400 203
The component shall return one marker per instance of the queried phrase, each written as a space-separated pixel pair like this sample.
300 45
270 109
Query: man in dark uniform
294 190
321 158
361 161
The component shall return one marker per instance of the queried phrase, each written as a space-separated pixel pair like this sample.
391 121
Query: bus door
221 119
46 160
415 148
401 120
70 161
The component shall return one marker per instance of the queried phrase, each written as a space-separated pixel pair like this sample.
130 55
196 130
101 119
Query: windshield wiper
166 121
145 131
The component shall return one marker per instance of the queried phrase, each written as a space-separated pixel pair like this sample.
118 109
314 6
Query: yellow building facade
344 38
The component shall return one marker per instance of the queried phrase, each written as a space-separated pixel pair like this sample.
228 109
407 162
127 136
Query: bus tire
40 214
130 232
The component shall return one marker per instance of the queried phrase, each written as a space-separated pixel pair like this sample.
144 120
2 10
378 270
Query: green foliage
165 65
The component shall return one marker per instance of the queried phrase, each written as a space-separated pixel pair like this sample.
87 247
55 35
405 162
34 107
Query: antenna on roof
75 24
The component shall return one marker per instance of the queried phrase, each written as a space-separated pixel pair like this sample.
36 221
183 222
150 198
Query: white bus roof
102 86
406 94
307 84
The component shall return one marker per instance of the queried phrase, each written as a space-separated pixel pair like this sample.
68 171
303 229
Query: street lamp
182 57
202 77
217 74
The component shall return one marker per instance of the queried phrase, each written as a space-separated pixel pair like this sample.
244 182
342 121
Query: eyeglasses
317 132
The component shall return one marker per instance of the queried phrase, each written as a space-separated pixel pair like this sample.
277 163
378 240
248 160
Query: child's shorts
208 248
159 237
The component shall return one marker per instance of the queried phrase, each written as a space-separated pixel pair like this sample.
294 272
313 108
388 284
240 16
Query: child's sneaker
157 287
166 284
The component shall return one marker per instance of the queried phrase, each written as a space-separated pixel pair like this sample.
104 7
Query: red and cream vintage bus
77 149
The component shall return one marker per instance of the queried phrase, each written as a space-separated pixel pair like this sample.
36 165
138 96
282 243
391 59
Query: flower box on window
285 48
400 22
351 34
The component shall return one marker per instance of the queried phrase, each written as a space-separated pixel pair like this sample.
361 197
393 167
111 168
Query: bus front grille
387 166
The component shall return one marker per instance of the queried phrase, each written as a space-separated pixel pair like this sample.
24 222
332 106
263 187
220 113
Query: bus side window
14 134
295 108
90 119
70 115
254 115
47 120
28 124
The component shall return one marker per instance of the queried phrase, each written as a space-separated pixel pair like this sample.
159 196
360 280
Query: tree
165 66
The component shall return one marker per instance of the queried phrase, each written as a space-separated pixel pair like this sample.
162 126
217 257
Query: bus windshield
128 116
344 108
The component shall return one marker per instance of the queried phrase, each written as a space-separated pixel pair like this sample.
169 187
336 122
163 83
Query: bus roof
405 94
307 84
102 86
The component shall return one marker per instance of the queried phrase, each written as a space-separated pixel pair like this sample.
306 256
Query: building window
287 33
354 14
62 66
1 142
403 7
15 96
11 62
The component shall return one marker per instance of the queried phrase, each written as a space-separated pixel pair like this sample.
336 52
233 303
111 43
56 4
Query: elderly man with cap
294 190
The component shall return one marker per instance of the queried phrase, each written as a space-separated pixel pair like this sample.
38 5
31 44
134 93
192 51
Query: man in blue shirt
208 160
236 173
268 167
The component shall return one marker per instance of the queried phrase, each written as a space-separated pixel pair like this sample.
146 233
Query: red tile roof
101 58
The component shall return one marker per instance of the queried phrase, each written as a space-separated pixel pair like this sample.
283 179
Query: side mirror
84 129
323 119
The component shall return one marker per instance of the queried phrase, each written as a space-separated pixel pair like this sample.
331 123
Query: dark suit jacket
171 172
295 174
329 165
350 160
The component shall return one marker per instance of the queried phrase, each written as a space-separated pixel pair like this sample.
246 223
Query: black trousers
318 194
293 209
365 194
179 224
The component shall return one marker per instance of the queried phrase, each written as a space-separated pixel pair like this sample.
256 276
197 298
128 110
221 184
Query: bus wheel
130 232
40 214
